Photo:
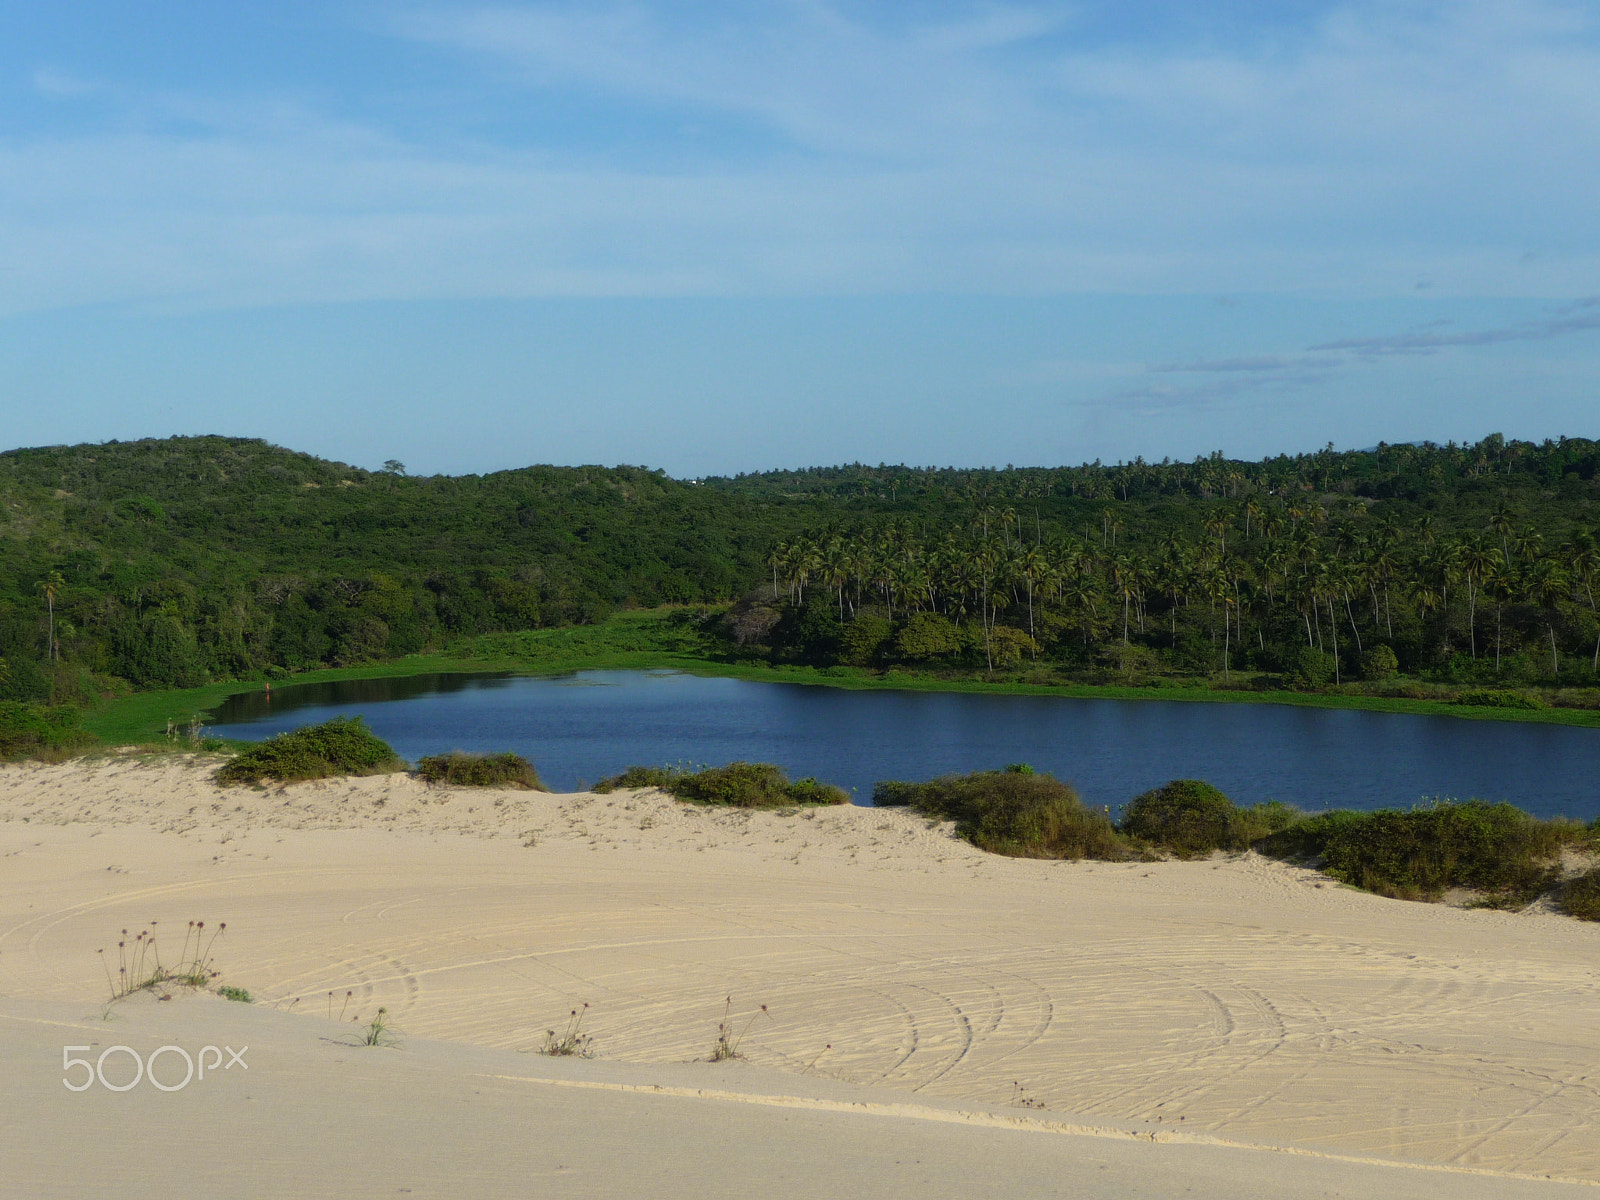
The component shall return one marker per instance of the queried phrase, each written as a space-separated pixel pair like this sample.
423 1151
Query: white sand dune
1217 1003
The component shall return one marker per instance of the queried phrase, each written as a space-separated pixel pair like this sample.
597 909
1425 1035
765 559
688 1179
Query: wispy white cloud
58 85
997 152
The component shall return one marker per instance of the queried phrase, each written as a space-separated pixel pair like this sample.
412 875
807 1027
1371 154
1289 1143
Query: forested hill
186 558
168 562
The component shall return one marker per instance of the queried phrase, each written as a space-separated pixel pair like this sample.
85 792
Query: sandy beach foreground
941 1021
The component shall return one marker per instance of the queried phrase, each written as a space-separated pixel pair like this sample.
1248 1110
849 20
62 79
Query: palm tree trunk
1333 630
1352 616
1472 618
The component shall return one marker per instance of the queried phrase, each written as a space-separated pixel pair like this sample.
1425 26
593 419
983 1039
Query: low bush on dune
1495 849
342 746
1580 897
1189 819
737 785
29 730
480 770
1013 812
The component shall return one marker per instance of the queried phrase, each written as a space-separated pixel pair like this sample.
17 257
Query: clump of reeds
480 770
572 1042
727 1044
139 964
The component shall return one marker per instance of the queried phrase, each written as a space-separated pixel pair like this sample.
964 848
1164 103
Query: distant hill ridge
170 561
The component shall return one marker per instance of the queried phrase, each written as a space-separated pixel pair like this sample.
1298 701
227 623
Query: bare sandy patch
1238 999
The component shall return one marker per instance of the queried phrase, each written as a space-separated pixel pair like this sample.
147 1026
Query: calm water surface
578 728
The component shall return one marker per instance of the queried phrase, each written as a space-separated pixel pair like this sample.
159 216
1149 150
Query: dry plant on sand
727 1044
139 964
572 1041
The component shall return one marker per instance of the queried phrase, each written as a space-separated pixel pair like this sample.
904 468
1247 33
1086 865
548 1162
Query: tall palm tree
1527 543
1583 561
1502 585
50 588
1124 587
1547 586
1478 561
1500 523
1033 566
1252 512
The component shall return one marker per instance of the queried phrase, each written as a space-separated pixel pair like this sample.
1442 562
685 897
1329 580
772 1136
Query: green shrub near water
1379 663
1495 849
737 785
480 770
342 746
30 730
1487 698
1189 818
1309 667
1580 897
1016 813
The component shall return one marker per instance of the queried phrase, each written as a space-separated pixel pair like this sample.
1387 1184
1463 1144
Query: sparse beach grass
377 1032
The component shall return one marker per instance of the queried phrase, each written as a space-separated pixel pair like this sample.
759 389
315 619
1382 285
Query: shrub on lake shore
1024 815
1189 818
1580 897
30 730
737 785
1496 849
342 746
1487 698
480 770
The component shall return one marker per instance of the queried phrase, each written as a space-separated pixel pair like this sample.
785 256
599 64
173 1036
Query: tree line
167 563
1317 587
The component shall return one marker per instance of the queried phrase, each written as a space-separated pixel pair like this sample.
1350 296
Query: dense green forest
175 562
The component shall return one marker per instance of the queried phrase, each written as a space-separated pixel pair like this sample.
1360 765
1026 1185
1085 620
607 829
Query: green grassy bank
672 639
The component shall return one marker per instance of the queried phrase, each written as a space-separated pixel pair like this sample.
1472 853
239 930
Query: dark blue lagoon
578 728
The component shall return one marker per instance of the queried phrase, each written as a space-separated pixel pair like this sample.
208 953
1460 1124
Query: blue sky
717 237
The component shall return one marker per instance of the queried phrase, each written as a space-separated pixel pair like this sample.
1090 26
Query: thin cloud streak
1322 362
1580 320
